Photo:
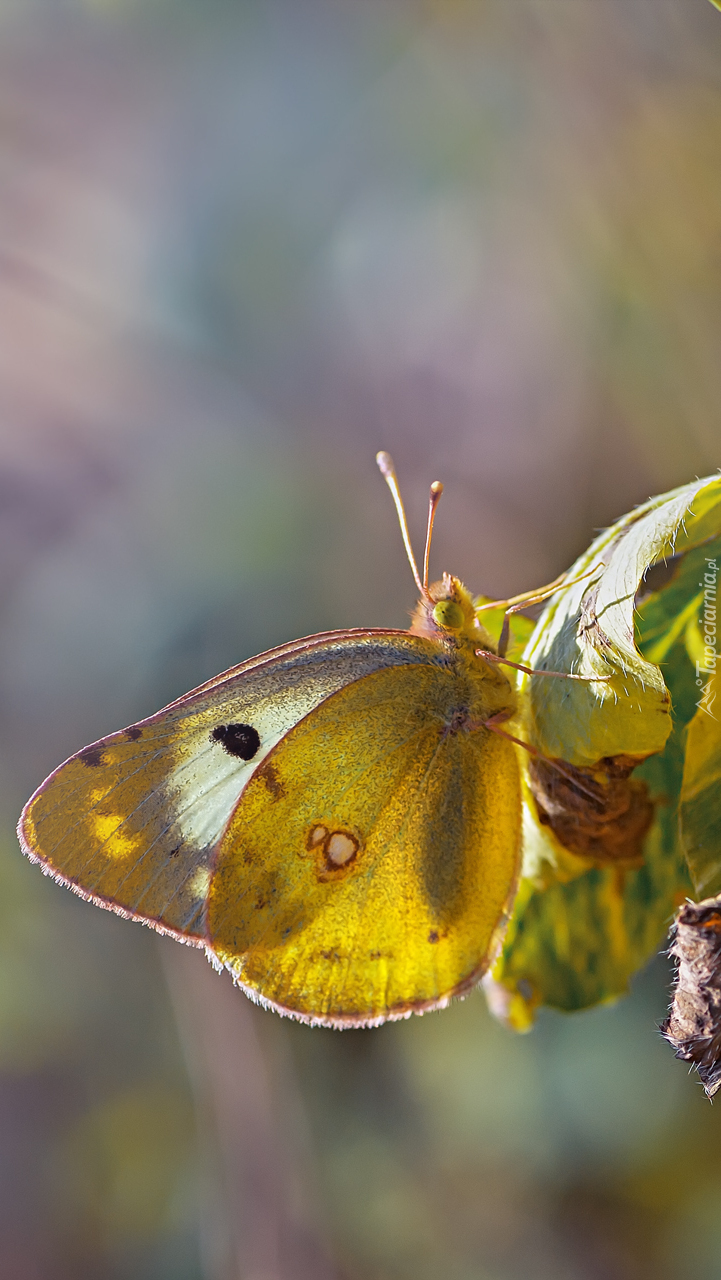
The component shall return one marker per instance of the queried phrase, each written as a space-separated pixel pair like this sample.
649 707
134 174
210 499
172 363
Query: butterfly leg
494 724
515 603
560 675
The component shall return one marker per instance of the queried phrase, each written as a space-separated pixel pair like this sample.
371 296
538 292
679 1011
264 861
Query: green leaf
580 929
700 818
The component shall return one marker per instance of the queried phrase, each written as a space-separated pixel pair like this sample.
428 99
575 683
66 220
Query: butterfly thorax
448 616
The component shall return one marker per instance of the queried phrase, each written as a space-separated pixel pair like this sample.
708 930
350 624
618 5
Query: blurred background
243 245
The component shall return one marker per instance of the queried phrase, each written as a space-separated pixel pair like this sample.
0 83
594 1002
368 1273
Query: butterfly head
446 611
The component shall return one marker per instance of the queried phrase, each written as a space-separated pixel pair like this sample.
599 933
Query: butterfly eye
240 740
448 614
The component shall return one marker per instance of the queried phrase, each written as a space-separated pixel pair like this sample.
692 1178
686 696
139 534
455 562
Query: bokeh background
243 245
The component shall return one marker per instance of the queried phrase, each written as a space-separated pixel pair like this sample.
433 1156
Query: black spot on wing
93 756
133 733
240 740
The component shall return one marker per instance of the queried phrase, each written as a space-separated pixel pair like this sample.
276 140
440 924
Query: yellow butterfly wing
216 837
368 868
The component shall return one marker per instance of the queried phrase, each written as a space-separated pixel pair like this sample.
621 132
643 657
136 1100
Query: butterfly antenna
435 497
388 471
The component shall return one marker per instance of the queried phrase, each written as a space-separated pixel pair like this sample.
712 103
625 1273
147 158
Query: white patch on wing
207 782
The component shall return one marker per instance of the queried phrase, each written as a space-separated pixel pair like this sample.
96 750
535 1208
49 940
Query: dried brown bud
693 1025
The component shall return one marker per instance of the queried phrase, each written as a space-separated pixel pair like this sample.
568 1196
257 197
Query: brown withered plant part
693 1025
600 813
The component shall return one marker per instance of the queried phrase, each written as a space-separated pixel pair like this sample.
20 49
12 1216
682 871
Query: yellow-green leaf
579 929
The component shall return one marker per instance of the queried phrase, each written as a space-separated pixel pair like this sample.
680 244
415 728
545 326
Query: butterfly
336 821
